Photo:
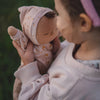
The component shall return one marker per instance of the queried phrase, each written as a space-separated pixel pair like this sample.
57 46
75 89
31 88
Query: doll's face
46 30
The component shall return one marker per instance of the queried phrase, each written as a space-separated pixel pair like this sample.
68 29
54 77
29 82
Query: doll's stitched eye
46 34
51 32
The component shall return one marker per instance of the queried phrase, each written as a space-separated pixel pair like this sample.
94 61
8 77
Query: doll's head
78 20
38 23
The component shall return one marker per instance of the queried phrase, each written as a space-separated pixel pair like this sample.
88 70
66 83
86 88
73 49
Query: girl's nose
58 22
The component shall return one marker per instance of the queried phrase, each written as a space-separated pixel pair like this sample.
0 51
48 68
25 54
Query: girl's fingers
18 48
29 47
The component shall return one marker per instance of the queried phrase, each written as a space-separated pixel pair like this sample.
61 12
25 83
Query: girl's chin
68 39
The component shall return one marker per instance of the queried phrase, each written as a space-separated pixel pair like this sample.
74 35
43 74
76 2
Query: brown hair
74 7
50 14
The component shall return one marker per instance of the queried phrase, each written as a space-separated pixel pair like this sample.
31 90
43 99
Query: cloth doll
39 26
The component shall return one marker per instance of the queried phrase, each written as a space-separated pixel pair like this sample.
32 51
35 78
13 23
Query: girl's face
46 30
70 31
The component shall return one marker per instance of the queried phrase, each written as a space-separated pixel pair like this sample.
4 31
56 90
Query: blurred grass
9 59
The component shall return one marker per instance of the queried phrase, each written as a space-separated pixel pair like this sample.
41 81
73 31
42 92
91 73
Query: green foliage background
9 59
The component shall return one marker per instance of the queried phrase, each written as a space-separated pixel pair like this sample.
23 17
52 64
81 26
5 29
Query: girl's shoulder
65 43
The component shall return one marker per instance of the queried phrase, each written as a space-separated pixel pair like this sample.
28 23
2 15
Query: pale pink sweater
67 79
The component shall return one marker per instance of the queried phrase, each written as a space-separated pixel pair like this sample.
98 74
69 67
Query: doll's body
41 33
43 53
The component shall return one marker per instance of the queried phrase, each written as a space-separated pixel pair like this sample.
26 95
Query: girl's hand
27 56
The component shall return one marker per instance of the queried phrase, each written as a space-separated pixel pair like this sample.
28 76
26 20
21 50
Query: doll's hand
27 56
12 30
18 36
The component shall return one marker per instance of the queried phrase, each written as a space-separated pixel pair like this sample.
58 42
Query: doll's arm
16 89
42 68
18 36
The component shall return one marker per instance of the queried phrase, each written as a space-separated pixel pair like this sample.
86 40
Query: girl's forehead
58 5
60 8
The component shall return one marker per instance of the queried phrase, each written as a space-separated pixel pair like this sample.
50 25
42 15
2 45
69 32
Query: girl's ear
86 23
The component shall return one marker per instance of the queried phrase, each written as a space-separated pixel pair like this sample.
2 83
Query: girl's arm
32 81
36 86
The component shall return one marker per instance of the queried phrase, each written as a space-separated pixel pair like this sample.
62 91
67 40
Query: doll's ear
23 10
86 23
12 30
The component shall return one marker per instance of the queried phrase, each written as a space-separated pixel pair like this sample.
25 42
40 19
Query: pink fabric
29 18
91 11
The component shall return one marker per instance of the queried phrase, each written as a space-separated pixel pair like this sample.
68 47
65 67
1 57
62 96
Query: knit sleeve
43 87
31 80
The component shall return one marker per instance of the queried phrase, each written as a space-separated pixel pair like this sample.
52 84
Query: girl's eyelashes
56 12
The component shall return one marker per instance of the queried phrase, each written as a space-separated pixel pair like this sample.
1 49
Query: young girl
75 74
